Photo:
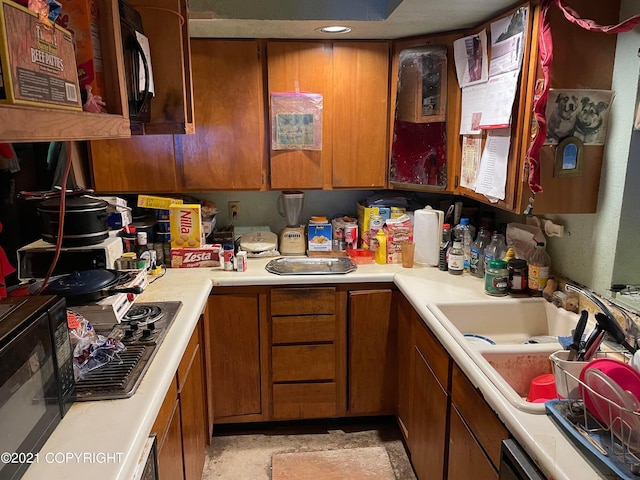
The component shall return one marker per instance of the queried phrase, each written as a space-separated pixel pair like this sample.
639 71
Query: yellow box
82 19
364 214
159 203
38 61
186 228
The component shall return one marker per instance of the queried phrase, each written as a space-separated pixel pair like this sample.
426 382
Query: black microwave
137 67
37 385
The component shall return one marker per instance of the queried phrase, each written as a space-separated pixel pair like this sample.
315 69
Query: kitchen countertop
105 439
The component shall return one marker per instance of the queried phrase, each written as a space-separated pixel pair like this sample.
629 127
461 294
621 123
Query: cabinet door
428 421
302 67
134 165
235 355
228 150
193 419
404 316
372 353
170 452
466 457
360 114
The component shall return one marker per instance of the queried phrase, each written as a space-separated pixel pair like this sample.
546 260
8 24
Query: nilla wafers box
186 226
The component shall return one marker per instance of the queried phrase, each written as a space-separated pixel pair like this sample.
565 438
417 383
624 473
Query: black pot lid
73 203
78 283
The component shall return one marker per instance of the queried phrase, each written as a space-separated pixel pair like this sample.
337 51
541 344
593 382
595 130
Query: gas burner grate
117 379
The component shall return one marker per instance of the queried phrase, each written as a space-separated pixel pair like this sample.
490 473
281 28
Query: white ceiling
369 19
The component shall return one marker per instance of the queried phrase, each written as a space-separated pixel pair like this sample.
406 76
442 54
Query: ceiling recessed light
335 29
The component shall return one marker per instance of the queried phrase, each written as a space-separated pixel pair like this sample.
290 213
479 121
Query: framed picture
569 158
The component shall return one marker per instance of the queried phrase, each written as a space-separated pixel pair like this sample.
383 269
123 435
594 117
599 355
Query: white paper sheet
473 99
144 43
501 91
492 174
471 59
471 153
507 42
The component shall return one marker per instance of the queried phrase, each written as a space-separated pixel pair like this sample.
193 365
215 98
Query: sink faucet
631 329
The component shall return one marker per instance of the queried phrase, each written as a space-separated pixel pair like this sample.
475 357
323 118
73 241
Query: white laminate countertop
105 439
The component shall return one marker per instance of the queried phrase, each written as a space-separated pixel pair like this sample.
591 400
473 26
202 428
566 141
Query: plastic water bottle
464 232
495 250
476 255
539 265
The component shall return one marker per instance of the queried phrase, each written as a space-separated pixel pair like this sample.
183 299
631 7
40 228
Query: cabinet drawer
303 301
478 415
304 400
303 329
294 363
435 355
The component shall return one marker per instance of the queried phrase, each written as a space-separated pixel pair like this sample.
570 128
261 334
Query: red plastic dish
360 255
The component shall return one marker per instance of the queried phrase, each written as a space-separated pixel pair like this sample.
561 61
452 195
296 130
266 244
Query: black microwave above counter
37 384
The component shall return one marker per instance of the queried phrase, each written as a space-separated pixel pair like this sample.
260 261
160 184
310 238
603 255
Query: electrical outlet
234 210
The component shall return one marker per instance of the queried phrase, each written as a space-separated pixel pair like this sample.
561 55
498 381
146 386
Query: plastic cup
542 387
408 249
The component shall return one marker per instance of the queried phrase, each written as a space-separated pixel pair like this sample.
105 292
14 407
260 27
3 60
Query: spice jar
518 276
496 278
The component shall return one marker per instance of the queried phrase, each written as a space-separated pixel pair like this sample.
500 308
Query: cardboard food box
205 256
186 228
81 18
398 231
364 214
158 203
38 61
320 236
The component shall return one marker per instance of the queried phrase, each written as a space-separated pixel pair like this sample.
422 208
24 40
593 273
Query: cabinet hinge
258 52
263 179
456 181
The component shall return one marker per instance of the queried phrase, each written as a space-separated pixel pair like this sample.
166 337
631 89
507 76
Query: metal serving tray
310 266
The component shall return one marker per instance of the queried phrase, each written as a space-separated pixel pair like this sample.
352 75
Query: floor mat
352 463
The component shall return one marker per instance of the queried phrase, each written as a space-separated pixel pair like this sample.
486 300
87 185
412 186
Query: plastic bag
296 120
90 349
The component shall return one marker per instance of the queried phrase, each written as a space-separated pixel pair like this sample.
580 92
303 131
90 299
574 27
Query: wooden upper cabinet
360 114
166 23
304 67
144 163
228 150
521 115
573 48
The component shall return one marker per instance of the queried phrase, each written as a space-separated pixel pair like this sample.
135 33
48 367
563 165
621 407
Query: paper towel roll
427 234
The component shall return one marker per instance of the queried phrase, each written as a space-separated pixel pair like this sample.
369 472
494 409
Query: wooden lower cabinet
430 380
373 346
466 457
169 437
181 426
308 373
235 357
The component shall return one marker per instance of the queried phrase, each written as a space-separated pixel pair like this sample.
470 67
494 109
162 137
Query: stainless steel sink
310 266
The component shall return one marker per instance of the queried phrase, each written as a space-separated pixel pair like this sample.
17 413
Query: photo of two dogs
580 113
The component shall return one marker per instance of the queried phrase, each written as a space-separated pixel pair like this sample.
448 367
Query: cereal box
320 235
38 61
205 256
186 229
81 18
398 230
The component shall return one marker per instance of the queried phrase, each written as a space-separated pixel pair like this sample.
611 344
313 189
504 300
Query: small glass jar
496 278
518 276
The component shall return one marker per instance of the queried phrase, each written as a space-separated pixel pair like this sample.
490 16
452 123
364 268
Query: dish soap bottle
381 247
539 266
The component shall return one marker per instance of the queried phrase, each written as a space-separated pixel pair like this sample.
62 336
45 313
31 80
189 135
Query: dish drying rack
614 448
